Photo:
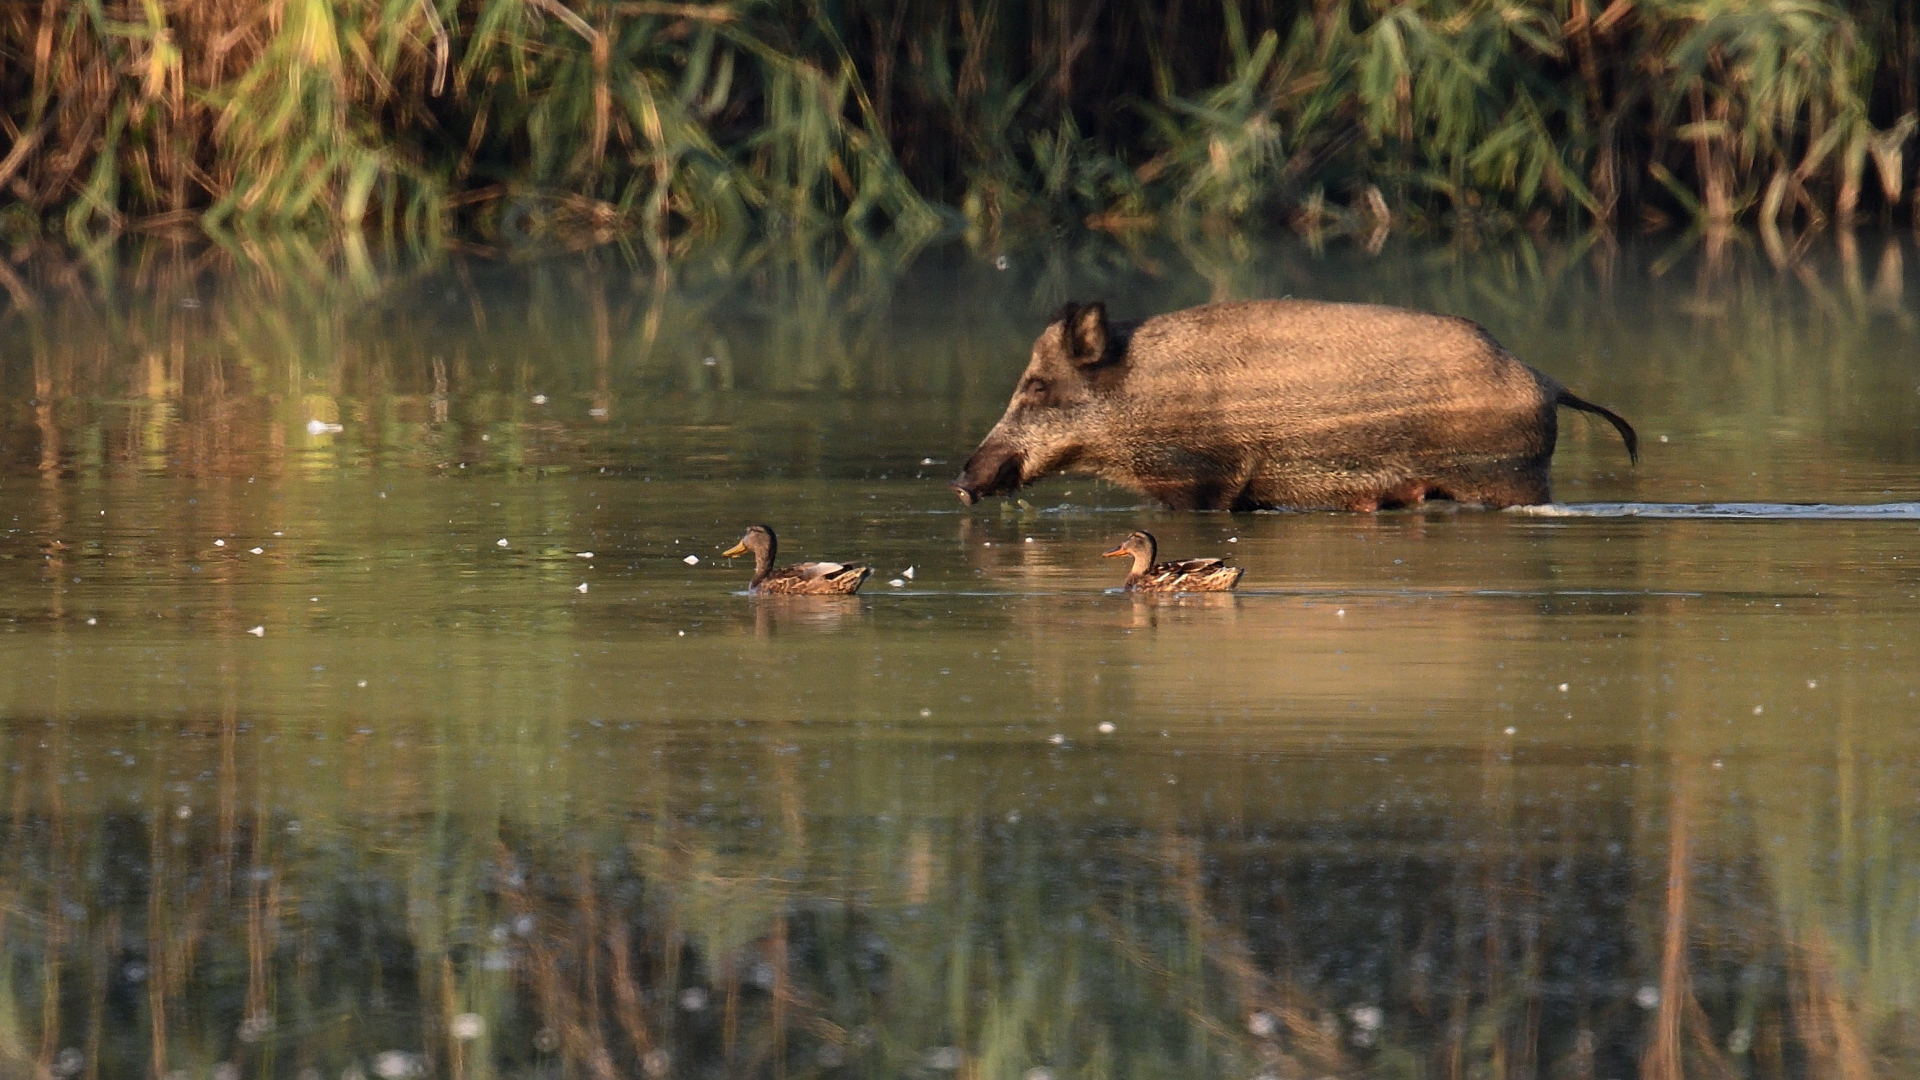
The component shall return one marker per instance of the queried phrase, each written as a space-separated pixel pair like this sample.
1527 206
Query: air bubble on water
1001 263
258 550
1263 1025
926 461
1512 730
523 925
1563 688
597 413
254 1027
277 532
467 1026
1812 684
1057 739
91 621
226 1070
1029 540
582 587
1716 763
1013 817
926 712
693 999
502 542
691 560
219 543
363 684
898 583
1342 611
258 631
1663 438
907 573
655 1063
583 554
134 972
398 1065
1758 709
539 399
1233 539
183 813
1647 997
763 975
683 633
711 361
69 1062
321 427
1106 727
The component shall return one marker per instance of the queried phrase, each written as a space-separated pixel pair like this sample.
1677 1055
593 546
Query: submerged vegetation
580 121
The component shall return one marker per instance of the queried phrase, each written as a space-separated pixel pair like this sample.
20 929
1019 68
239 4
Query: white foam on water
1895 511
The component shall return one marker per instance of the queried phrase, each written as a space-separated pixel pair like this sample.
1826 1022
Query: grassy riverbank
583 120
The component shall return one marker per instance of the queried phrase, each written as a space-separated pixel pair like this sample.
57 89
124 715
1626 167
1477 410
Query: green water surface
374 702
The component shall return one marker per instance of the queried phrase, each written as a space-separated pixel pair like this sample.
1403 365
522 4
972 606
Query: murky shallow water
319 757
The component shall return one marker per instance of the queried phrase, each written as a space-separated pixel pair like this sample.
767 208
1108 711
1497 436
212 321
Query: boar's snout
991 470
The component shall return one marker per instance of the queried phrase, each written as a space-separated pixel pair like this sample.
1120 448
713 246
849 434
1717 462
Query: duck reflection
774 614
1150 611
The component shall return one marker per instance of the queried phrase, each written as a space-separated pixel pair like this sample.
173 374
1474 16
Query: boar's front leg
1186 480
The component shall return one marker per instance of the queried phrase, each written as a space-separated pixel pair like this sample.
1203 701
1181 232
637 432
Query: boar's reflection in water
1280 403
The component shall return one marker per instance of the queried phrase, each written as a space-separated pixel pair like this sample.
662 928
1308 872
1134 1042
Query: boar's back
1322 381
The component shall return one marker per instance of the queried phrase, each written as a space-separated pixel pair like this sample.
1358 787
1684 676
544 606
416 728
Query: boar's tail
1620 424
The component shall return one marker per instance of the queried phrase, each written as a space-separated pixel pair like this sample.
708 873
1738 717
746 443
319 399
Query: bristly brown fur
1280 403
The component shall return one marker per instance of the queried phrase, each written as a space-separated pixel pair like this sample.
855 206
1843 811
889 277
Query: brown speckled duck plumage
1184 575
800 579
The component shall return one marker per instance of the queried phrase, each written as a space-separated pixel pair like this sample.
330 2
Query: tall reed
581 120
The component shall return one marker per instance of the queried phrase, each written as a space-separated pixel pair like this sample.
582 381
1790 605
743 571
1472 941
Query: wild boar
1280 403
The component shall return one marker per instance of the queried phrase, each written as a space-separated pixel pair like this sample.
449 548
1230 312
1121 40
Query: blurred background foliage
571 122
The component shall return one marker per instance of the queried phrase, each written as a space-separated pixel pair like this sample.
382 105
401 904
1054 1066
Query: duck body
800 579
1183 575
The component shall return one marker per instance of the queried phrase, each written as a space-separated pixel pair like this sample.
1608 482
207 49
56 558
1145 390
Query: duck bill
737 549
1115 553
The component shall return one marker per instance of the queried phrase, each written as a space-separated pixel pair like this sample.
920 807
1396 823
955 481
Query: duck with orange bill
1184 575
800 579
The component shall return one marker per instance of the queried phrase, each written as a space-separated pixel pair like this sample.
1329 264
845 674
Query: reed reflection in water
1439 794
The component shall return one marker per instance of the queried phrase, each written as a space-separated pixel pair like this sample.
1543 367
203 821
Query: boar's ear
1085 329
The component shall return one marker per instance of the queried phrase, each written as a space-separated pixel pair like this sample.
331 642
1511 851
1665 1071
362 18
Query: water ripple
1759 511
